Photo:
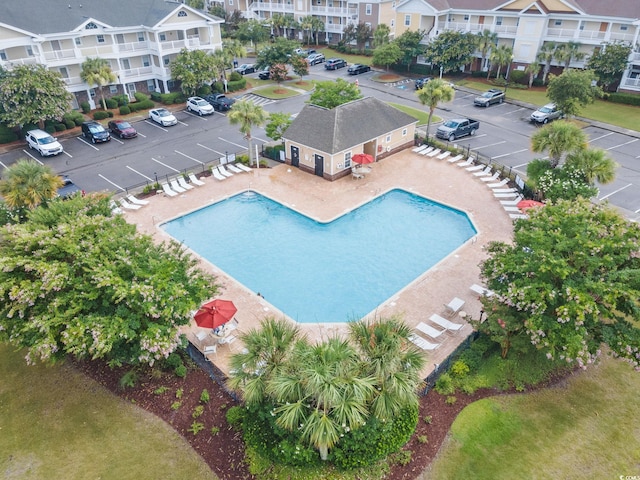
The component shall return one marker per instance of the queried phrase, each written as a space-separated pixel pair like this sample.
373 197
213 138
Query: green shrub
60 127
215 431
156 96
518 76
176 405
75 117
181 371
217 87
50 129
7 136
422 439
69 123
160 390
235 76
459 369
111 103
451 400
125 110
204 396
100 115
478 74
625 98
141 97
144 105
129 379
235 417
122 99
172 98
198 411
402 457
173 360
444 385
179 393
234 86
244 159
86 108
203 90
196 427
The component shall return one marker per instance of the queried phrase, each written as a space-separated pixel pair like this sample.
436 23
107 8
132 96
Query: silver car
546 114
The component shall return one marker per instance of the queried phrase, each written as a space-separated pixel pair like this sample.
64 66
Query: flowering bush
565 184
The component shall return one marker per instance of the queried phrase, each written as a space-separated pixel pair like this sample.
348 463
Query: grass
57 423
420 115
275 92
625 116
584 429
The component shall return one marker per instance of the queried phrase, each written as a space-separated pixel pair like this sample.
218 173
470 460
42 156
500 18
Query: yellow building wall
400 23
552 5
7 33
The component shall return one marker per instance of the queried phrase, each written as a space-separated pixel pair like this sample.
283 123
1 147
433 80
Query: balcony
335 11
18 61
505 29
465 27
132 47
333 28
625 37
591 35
630 83
271 7
635 57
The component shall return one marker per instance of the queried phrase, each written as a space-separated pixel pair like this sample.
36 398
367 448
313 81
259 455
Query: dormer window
182 13
91 26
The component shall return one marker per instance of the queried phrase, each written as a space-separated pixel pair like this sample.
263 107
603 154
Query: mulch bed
227 443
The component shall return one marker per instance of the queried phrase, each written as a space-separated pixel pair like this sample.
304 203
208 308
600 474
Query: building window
393 4
29 51
146 61
3 55
466 18
581 26
78 41
182 13
125 64
558 23
92 92
91 26
141 36
404 132
367 9
407 20
151 86
393 22
163 37
100 38
230 2
624 28
166 61
113 89
64 72
498 20
388 139
347 160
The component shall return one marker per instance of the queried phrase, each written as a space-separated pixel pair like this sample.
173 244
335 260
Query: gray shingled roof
54 16
350 124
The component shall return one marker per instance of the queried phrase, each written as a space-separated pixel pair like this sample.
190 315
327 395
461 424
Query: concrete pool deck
435 179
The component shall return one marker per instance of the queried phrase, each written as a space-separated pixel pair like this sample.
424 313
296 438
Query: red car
122 129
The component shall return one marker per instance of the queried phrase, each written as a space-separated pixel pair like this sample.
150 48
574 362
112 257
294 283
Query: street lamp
156 175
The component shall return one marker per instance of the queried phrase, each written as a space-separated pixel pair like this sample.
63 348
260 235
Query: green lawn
587 428
421 115
625 116
56 423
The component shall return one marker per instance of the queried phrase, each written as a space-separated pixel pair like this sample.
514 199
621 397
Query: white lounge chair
467 162
175 187
167 190
114 207
455 159
491 178
243 167
419 148
433 153
429 330
517 216
506 195
183 183
499 184
483 173
515 201
128 205
217 175
510 208
233 169
475 168
427 151
420 342
504 190
137 201
444 323
443 155
195 180
454 306
480 290
224 171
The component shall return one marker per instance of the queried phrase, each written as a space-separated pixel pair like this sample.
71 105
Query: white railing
627 37
60 54
333 28
343 12
271 6
508 29
561 32
18 61
142 73
173 45
69 81
591 35
132 47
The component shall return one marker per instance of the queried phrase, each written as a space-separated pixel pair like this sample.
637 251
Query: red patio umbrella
215 313
525 204
363 158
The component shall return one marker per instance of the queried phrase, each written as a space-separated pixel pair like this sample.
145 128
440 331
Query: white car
162 116
44 143
199 106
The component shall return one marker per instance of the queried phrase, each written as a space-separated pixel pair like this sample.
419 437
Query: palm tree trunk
250 152
104 103
498 72
429 121
324 452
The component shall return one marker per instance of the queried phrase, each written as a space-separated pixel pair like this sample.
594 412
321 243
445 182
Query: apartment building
526 25
138 38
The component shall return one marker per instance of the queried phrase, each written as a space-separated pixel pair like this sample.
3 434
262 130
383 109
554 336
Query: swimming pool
324 272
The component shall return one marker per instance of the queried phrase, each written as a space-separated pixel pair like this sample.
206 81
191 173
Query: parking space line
165 165
490 145
512 153
260 140
143 136
156 125
88 144
201 117
605 135
237 145
109 181
117 140
622 144
34 158
190 158
139 173
518 110
182 123
521 165
615 191
210 149
220 113
6 168
67 154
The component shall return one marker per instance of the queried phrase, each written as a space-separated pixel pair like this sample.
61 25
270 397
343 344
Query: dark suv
95 132
335 63
421 82
489 97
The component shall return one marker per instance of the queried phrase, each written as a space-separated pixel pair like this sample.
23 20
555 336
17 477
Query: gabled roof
59 16
340 128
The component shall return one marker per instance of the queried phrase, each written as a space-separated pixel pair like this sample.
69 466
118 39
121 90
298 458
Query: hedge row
624 98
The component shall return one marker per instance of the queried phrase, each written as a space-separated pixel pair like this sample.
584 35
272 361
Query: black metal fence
214 372
441 368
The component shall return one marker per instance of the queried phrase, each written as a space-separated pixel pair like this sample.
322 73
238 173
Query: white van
44 143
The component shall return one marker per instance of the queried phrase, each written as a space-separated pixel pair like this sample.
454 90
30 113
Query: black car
335 63
68 188
421 82
357 69
245 68
264 74
95 132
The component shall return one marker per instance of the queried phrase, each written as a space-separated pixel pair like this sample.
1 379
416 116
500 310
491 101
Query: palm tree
545 57
559 138
247 115
595 163
27 184
434 92
566 52
501 56
394 362
234 49
486 41
97 71
277 22
532 70
220 61
381 35
317 25
306 24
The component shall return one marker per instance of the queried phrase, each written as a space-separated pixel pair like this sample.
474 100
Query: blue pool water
324 272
